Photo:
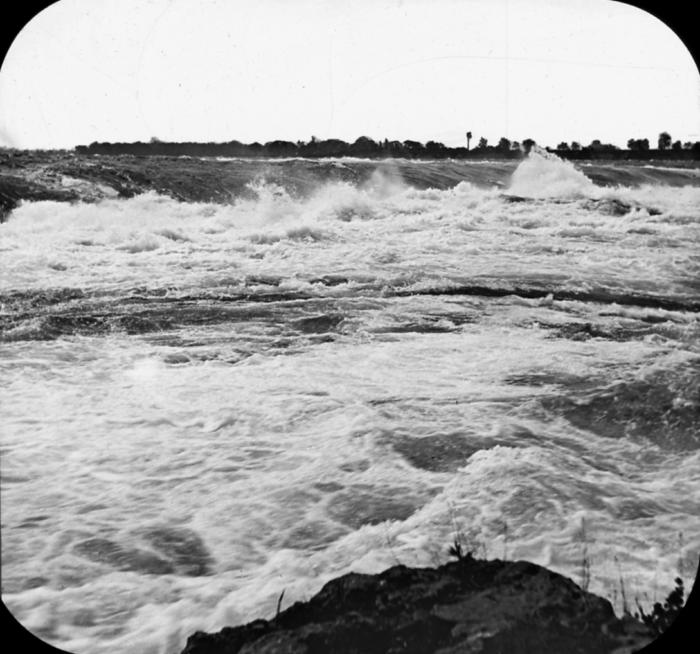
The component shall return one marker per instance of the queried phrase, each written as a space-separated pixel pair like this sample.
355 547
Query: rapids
207 403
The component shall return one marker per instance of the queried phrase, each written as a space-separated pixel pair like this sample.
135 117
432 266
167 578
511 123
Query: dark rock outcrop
468 606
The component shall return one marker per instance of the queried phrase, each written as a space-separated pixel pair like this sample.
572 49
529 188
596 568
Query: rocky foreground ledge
468 606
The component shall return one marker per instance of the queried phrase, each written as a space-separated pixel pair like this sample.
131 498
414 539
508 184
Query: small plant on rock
585 558
457 550
662 616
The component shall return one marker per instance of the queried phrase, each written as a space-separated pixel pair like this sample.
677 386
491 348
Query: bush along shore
466 606
364 146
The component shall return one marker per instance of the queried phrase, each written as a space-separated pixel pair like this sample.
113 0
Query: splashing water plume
544 175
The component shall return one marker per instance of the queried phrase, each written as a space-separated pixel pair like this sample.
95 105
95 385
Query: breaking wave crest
544 175
383 230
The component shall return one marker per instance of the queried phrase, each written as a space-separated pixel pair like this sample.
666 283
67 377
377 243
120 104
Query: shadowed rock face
468 606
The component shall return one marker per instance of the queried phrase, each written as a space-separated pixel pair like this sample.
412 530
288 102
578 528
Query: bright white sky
258 70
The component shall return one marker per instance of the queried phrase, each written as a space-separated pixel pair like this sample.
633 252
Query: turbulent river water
206 404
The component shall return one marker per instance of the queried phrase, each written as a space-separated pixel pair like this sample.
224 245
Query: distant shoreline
368 149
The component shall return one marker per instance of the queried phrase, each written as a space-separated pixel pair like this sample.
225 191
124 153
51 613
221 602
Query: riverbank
465 606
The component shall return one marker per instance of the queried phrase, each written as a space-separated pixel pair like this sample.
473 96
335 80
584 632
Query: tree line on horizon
364 147
665 142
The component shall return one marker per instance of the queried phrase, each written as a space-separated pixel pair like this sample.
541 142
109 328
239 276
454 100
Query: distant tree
677 146
664 141
515 145
414 147
687 145
364 145
155 139
435 148
469 138
327 148
638 144
528 144
483 143
280 148
563 146
397 148
234 149
597 146
504 144
575 145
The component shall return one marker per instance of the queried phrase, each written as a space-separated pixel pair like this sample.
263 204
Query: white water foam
295 457
544 175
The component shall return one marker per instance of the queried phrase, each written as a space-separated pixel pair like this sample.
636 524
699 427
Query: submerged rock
183 547
436 453
318 324
180 551
468 606
662 407
608 206
354 507
101 550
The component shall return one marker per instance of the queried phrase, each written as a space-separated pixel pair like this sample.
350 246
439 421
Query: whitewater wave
75 179
544 175
209 402
550 224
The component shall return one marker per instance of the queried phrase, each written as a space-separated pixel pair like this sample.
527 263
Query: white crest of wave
275 215
113 221
544 175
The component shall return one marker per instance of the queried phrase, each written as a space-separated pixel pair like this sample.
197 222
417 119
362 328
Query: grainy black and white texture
225 379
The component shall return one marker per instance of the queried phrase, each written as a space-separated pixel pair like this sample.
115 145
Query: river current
204 405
